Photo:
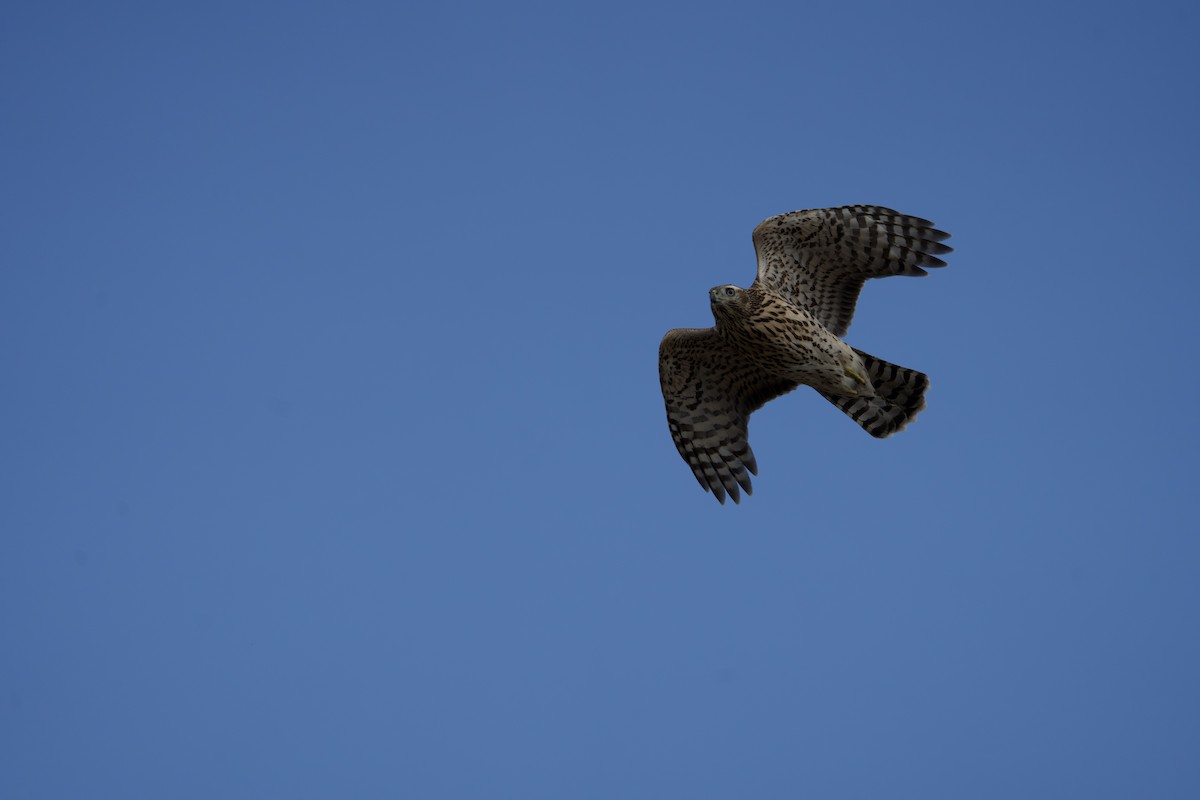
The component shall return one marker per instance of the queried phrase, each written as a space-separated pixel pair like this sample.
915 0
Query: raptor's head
729 293
728 302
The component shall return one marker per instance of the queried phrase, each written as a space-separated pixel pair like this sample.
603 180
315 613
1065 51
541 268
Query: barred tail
899 397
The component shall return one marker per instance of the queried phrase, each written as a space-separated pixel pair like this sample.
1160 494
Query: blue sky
335 463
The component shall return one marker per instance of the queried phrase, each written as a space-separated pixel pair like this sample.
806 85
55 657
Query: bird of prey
785 331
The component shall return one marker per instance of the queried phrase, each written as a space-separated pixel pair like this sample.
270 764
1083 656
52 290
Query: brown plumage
784 331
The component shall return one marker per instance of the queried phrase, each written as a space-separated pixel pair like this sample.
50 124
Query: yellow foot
857 376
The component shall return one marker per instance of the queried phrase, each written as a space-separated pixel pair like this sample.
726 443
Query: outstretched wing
820 258
710 393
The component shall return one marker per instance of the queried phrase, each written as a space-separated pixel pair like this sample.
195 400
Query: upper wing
710 394
819 258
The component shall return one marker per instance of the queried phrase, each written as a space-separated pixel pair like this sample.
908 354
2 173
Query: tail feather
899 397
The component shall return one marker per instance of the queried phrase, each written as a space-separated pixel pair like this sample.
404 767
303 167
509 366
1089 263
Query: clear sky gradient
334 462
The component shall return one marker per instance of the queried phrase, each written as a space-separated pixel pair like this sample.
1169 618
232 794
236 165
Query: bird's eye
729 292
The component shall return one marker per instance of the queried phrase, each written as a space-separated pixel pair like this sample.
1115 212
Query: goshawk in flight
785 331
